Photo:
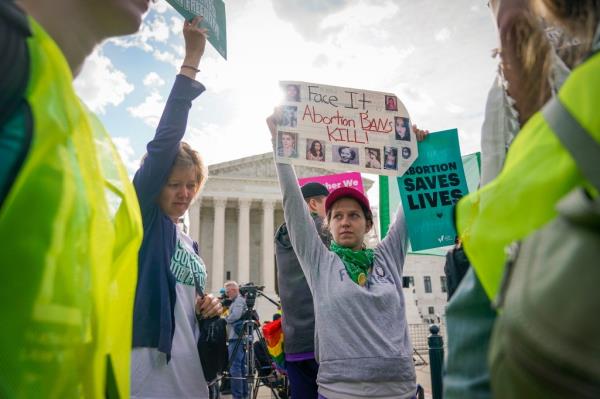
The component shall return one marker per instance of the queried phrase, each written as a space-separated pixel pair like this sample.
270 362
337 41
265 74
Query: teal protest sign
213 12
430 188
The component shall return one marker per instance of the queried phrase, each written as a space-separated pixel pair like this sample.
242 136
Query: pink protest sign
332 182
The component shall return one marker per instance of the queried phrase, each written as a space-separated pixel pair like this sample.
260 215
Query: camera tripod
254 376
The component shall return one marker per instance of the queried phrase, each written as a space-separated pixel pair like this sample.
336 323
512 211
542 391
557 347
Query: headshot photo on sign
292 93
391 103
288 116
373 158
287 144
406 152
345 154
315 150
402 128
390 156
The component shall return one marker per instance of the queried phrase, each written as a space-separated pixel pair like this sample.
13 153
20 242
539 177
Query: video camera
250 291
225 302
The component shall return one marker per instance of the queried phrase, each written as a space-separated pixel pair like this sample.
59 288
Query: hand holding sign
195 43
213 12
195 39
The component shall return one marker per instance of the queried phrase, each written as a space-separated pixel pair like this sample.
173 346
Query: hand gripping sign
213 12
344 129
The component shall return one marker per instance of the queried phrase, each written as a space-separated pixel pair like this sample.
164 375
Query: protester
69 220
237 356
530 170
540 169
296 300
363 348
165 360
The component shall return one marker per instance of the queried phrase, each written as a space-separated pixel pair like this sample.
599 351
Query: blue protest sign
213 12
430 188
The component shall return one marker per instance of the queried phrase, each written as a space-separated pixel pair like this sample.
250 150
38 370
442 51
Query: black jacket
298 319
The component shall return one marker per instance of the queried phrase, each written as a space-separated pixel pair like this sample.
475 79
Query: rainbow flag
273 334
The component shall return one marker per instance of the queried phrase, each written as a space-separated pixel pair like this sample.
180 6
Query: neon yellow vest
537 173
70 229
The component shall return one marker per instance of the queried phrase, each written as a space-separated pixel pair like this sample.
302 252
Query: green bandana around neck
357 263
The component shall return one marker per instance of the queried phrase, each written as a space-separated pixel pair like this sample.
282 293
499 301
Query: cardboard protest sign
345 129
332 182
213 12
430 188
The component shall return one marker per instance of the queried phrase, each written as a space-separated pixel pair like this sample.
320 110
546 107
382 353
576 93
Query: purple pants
303 378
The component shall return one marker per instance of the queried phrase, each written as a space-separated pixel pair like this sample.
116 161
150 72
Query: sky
435 55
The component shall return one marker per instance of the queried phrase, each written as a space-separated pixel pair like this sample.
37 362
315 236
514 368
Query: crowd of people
105 297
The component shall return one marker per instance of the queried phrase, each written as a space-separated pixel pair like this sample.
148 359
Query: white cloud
443 35
153 80
176 25
127 153
455 109
150 110
153 31
101 84
167 57
160 6
370 15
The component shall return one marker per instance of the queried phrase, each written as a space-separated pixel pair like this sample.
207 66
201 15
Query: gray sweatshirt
362 333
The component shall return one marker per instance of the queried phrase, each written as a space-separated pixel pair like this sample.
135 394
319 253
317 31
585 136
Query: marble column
194 218
268 253
218 259
243 274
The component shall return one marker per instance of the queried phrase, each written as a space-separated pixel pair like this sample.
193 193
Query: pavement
423 378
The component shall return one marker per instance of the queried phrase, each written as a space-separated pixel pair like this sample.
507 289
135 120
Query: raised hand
195 43
421 134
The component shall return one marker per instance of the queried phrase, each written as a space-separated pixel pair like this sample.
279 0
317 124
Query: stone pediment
259 167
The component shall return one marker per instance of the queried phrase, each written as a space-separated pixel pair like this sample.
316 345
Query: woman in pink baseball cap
363 346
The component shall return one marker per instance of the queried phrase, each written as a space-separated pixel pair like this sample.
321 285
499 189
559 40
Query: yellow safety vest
537 173
70 229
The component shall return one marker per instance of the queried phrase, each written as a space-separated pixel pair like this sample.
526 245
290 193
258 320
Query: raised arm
304 237
395 244
162 150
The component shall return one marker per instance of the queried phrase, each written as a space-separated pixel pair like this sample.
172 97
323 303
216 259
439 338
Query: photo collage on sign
388 153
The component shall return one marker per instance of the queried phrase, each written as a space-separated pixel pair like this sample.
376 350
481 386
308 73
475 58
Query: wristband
190 67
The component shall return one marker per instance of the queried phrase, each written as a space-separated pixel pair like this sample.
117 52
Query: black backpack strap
14 63
575 138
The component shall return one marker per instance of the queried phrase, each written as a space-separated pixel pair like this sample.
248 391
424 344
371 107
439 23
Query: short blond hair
187 157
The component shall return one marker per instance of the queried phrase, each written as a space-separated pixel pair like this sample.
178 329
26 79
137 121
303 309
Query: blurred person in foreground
538 168
70 223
